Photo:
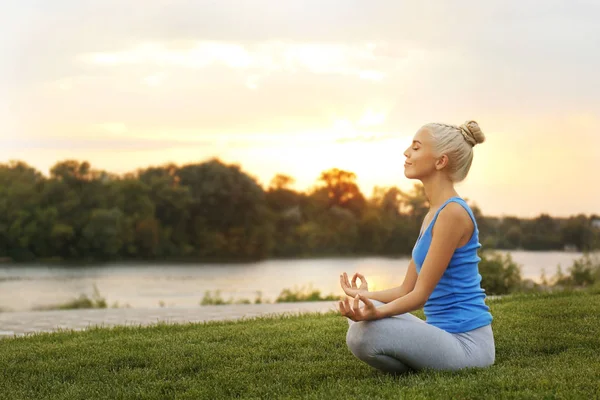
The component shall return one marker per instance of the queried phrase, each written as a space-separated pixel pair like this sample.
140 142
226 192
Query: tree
20 185
281 181
416 202
578 231
71 170
229 212
103 233
389 199
215 211
542 233
342 190
75 190
172 203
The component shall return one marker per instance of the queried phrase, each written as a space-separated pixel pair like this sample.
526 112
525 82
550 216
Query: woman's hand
367 313
351 289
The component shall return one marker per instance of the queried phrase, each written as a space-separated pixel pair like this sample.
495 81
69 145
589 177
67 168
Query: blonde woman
442 276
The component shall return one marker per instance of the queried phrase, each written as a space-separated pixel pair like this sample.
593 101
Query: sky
299 87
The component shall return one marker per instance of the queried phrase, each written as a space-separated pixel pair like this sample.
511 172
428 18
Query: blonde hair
457 143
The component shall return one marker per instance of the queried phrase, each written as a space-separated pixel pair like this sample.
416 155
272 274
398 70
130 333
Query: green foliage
541 233
212 211
259 298
342 191
295 295
82 302
103 233
585 271
499 273
303 294
546 348
213 300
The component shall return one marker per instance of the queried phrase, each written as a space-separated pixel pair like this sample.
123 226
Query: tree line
213 211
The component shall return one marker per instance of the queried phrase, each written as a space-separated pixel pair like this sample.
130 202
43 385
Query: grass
546 347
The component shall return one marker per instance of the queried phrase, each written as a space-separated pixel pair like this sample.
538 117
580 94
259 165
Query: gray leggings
405 342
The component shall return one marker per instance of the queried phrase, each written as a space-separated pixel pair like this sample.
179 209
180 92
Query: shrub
82 302
299 295
499 274
585 271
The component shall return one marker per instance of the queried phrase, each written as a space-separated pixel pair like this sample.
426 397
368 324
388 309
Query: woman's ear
441 162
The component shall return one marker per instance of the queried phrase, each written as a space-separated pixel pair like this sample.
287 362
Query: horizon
256 85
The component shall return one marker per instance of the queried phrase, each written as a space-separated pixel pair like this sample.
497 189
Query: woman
442 276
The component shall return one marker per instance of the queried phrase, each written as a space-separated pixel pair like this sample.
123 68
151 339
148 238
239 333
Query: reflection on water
142 285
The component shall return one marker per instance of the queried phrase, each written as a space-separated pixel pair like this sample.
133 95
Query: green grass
547 347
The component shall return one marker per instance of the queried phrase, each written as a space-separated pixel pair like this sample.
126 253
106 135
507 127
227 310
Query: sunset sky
298 87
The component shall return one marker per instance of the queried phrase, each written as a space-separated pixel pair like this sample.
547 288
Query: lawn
547 346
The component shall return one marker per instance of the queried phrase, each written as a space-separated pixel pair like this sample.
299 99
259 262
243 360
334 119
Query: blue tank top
457 304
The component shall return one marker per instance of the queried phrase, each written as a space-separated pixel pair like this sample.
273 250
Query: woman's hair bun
472 133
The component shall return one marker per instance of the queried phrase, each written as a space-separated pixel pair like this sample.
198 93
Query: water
147 286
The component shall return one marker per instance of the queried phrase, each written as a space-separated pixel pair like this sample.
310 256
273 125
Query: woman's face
420 159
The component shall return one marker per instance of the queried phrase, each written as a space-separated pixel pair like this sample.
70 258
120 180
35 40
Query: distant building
596 223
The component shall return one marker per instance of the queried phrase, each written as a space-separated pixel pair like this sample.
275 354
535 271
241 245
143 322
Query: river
24 287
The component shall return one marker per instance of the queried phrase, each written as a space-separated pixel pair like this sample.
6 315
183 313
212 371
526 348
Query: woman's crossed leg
405 342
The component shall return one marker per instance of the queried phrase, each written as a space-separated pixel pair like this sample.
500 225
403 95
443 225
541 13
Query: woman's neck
438 189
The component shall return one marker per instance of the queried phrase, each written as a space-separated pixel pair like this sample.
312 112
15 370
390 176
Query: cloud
427 55
259 60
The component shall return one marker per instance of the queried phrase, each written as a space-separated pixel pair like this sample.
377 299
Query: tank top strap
460 201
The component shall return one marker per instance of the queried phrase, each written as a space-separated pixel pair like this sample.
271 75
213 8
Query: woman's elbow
420 298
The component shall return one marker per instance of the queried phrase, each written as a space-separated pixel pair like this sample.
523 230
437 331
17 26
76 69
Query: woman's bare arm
389 295
449 229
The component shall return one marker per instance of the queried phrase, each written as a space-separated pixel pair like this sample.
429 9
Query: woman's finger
354 281
348 280
342 281
345 310
347 305
366 300
362 278
356 304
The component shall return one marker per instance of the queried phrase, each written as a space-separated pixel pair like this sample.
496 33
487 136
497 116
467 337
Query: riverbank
546 347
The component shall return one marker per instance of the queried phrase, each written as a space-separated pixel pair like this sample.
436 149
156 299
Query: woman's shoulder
456 213
453 210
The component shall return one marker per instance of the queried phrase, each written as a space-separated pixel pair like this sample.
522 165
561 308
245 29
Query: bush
217 300
300 295
499 274
82 302
210 300
585 271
